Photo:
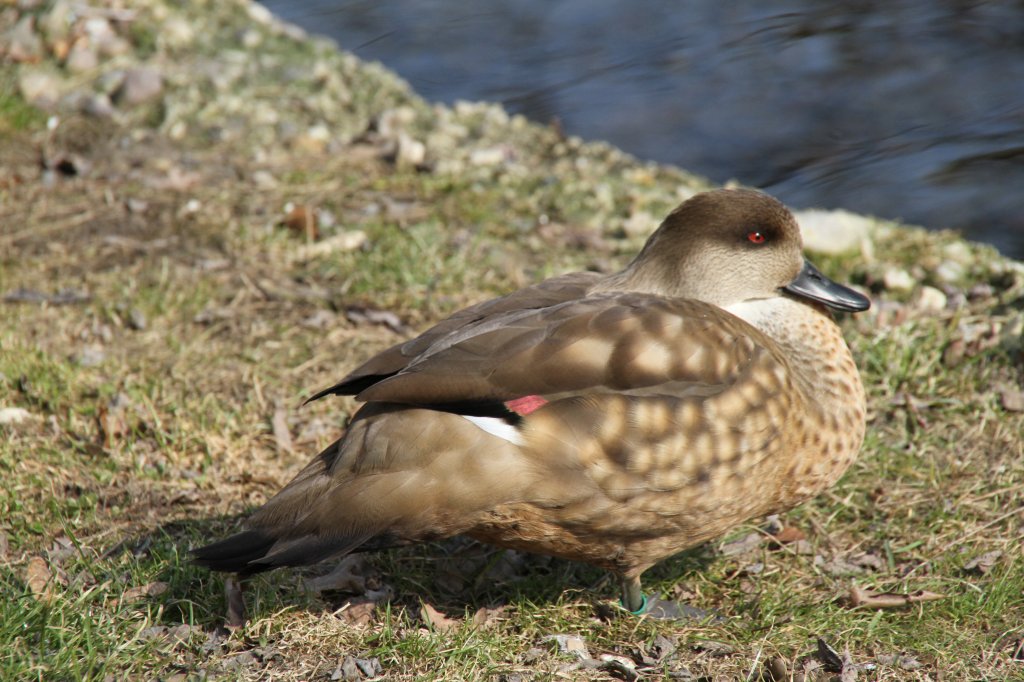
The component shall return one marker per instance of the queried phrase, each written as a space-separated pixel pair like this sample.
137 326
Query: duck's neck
823 371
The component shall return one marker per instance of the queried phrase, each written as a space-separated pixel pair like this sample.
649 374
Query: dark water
910 109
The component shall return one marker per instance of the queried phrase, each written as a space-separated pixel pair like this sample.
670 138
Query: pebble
82 57
930 299
488 156
23 44
139 85
834 232
99 106
90 356
410 151
950 271
176 33
40 88
897 279
13 415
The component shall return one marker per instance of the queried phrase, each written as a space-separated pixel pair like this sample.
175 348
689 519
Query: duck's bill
811 284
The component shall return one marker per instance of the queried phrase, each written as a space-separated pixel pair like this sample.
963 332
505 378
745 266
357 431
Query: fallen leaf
1012 399
713 647
347 576
279 425
14 415
777 670
62 297
358 612
569 644
111 425
984 563
437 620
829 657
154 589
748 543
888 600
899 661
487 617
342 242
235 617
39 578
373 316
302 220
788 534
620 667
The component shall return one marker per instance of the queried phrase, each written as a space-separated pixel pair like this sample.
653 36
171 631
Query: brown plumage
614 419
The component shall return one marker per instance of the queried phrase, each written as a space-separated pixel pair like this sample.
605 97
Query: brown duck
611 419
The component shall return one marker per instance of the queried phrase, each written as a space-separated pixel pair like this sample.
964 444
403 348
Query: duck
612 419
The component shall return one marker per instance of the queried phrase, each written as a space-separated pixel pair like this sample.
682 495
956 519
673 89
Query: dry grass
152 405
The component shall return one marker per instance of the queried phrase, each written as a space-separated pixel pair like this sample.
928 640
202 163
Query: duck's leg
633 599
638 604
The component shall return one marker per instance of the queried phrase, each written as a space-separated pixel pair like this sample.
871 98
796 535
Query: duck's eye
755 237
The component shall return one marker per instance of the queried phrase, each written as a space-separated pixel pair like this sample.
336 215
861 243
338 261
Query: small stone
410 152
40 88
930 299
393 121
139 85
82 57
950 271
137 319
897 279
23 44
13 415
639 223
99 106
90 356
1012 399
264 179
56 23
177 33
834 232
109 82
489 156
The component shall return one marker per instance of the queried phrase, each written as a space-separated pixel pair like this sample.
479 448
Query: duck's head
733 246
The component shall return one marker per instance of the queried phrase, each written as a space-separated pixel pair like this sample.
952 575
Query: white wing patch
498 427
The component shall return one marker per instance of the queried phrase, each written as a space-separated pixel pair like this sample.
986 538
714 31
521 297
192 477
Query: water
908 109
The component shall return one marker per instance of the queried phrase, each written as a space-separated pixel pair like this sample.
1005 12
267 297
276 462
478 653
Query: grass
151 406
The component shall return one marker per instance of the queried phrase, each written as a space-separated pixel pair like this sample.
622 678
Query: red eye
755 237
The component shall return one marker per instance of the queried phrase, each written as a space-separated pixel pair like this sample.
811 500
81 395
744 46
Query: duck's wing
543 295
628 343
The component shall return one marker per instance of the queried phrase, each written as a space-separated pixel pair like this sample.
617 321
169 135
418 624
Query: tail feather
236 553
254 551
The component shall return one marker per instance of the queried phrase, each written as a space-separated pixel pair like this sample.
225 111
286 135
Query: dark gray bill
813 285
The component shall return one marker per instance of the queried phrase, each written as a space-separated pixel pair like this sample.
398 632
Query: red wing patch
525 405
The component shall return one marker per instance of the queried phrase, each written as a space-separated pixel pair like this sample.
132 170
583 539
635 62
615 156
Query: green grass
168 440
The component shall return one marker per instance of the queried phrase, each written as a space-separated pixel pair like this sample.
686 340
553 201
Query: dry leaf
279 425
747 543
437 620
888 600
359 315
984 563
342 242
358 613
303 220
154 589
347 577
235 617
39 578
570 644
485 617
789 534
1012 399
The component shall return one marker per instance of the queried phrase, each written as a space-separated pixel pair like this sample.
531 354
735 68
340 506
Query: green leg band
643 606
